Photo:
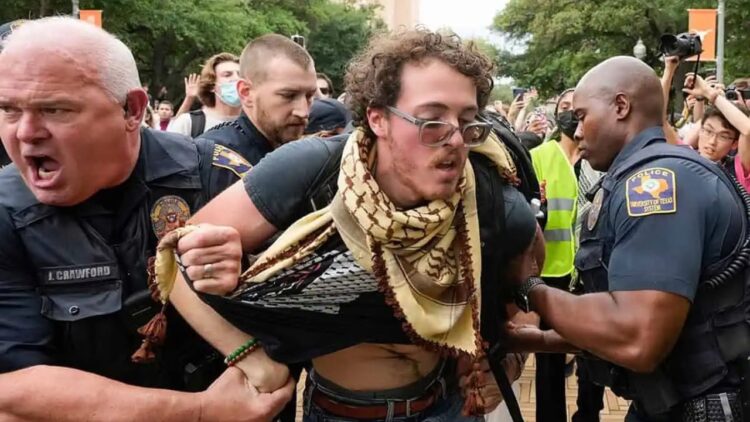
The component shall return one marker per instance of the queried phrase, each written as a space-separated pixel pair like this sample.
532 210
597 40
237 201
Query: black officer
276 89
83 205
661 257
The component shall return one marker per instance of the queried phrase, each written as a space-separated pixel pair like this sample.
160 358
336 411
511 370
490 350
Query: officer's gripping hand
232 398
212 257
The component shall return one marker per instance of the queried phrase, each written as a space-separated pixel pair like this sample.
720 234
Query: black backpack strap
529 186
197 123
491 203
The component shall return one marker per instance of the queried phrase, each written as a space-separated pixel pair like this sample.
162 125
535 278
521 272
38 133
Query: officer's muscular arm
633 329
525 335
49 393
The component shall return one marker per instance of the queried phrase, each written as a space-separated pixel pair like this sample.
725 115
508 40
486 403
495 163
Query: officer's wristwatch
522 293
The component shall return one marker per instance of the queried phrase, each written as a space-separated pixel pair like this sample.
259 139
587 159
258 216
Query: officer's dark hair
325 77
715 112
208 77
259 52
373 79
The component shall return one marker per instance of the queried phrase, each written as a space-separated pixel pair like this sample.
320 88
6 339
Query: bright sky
468 18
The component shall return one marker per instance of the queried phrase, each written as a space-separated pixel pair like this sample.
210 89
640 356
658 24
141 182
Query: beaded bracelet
241 352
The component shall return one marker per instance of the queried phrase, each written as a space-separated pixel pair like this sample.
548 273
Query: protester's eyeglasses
434 133
325 91
722 137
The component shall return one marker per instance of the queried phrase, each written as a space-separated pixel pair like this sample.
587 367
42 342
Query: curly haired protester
393 288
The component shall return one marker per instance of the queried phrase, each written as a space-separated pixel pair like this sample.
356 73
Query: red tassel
155 331
144 354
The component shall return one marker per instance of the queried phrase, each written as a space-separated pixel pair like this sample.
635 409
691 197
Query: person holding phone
725 127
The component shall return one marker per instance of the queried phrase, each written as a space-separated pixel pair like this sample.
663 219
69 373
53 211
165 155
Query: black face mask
567 121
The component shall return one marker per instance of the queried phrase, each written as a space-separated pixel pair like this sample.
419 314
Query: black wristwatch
522 293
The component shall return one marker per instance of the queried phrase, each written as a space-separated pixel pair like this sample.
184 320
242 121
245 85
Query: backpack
197 123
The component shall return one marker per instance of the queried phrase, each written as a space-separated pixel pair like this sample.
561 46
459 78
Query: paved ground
614 408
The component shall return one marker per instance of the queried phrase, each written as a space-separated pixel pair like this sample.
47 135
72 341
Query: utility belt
652 393
192 360
722 407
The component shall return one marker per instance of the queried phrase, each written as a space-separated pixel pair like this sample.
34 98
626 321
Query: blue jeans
444 410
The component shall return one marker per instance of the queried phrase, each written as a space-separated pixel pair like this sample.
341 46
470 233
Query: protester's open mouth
43 170
448 166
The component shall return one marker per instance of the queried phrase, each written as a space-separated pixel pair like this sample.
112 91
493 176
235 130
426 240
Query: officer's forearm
621 333
50 393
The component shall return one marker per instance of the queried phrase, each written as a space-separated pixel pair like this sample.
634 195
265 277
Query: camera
681 45
731 93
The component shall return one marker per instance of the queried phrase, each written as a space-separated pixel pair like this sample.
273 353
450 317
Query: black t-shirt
279 187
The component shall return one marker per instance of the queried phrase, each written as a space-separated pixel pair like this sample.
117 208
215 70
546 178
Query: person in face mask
276 87
557 164
216 88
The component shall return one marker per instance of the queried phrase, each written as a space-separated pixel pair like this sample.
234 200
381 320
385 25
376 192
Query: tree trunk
43 8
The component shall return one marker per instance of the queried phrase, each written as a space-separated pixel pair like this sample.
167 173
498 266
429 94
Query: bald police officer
663 320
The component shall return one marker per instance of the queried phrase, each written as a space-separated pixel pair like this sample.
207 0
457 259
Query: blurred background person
325 86
328 117
216 88
164 112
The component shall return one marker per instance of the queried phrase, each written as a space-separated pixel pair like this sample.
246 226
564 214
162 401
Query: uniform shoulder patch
651 191
228 159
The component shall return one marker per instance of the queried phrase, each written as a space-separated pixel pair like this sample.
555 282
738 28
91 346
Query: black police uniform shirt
232 149
68 275
279 186
667 249
665 224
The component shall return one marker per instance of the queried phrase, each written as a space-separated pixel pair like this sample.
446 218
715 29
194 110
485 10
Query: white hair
88 46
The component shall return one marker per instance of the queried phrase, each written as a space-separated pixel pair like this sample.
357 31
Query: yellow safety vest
555 172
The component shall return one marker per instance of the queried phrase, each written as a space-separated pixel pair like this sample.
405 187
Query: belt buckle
408 407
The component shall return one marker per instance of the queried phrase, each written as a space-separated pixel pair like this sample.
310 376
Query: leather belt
381 410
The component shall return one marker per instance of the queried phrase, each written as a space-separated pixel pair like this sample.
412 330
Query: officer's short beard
278 133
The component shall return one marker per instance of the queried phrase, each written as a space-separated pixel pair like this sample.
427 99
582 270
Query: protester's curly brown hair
373 79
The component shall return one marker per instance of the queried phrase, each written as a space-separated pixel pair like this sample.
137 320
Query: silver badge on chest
596 207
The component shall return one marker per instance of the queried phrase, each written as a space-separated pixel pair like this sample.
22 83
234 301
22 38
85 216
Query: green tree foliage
551 43
170 39
340 31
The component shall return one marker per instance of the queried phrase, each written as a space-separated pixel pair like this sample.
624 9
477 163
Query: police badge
596 207
168 213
